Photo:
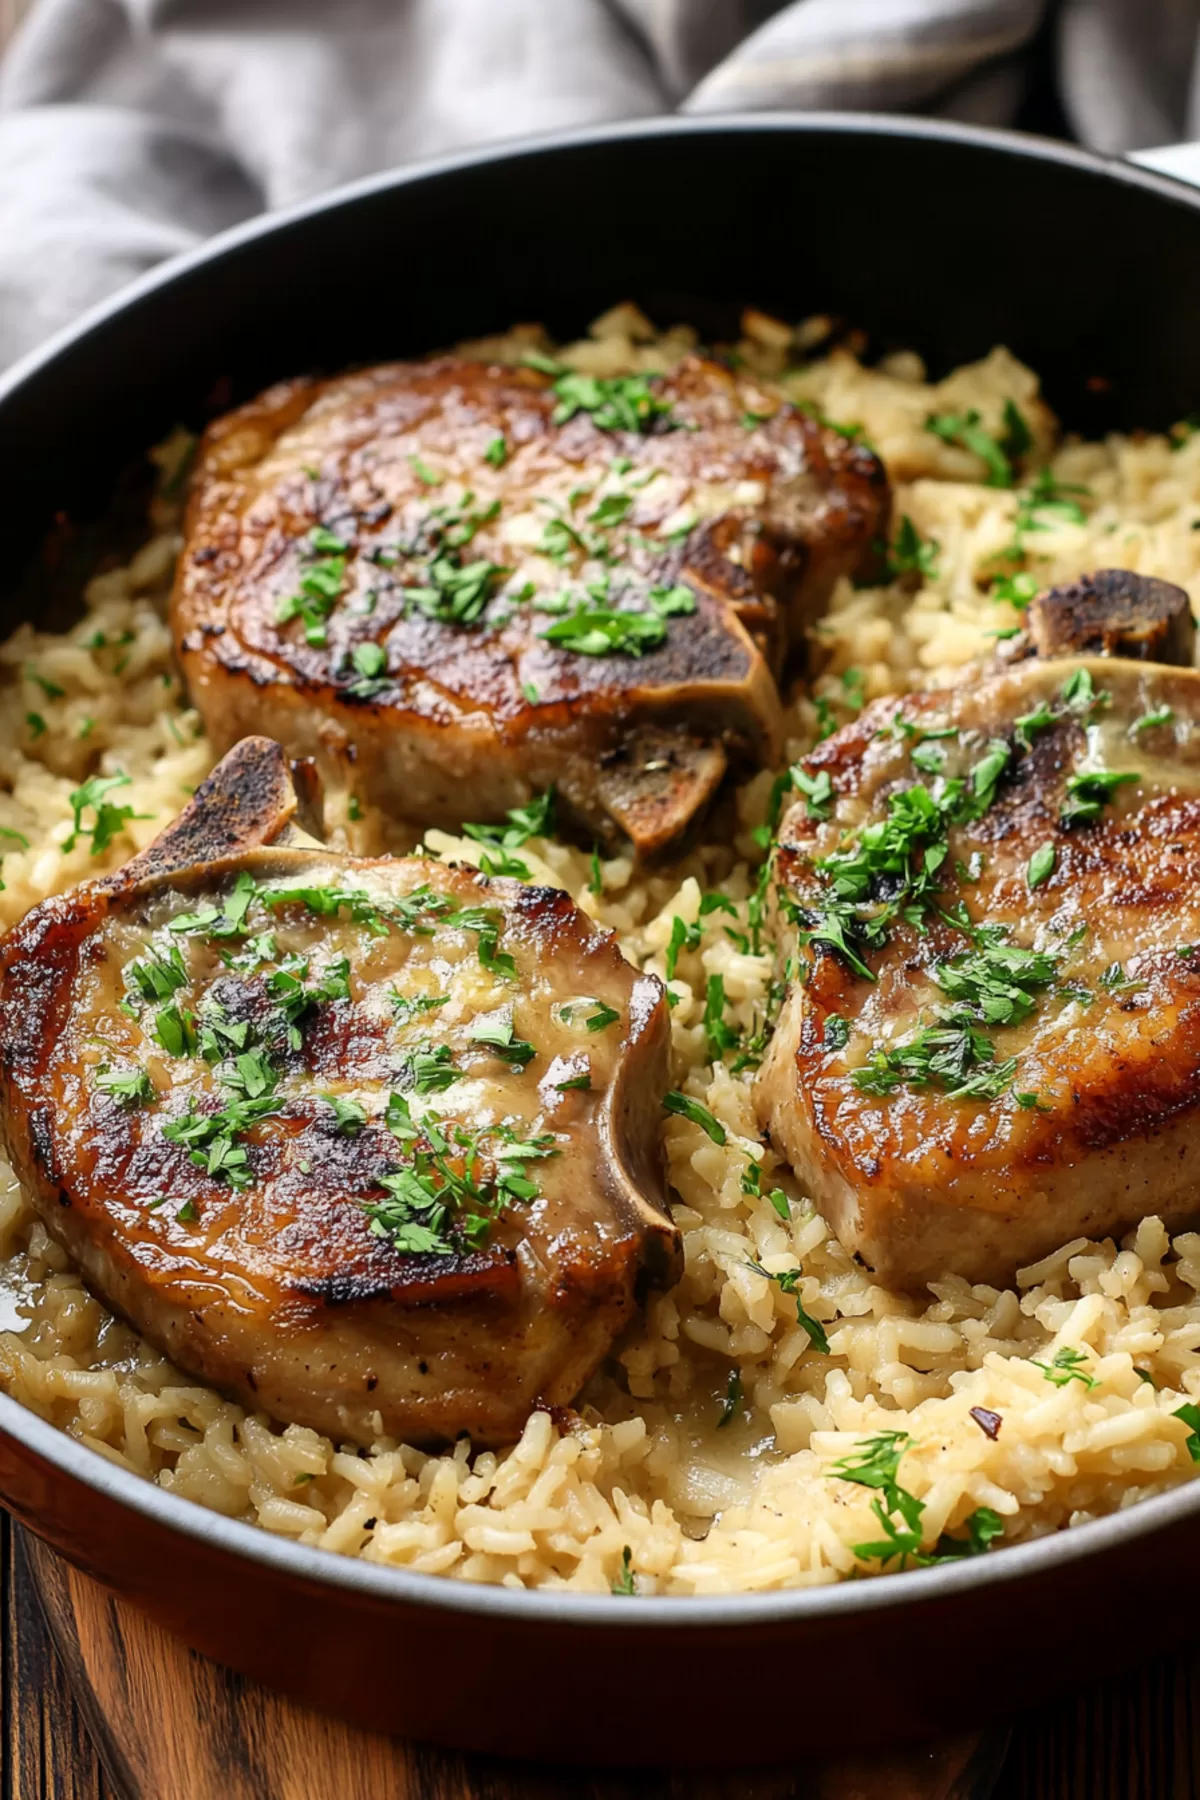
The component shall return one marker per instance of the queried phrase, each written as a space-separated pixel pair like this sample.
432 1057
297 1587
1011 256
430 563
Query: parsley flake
684 1107
1066 1365
108 820
348 1116
1041 865
616 403
733 1399
131 1087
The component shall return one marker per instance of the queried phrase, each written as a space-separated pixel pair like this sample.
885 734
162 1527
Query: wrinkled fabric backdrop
131 129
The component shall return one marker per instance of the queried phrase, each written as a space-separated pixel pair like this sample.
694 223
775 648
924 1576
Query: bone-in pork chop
990 900
372 1145
455 584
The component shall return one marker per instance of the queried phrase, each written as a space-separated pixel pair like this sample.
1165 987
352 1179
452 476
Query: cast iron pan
938 237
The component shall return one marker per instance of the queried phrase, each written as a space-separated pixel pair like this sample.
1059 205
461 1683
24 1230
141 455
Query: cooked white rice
647 1478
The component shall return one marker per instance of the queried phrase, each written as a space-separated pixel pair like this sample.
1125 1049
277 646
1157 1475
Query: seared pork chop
454 584
990 899
372 1145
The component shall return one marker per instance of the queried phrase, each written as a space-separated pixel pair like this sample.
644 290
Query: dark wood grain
48 1754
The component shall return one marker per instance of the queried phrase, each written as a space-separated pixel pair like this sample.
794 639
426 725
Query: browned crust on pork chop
1098 1124
746 507
280 1291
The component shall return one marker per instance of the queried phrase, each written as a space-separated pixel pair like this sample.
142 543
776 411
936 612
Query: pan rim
251 1544
1025 146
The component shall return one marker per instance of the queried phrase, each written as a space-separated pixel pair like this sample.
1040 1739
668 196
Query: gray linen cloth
132 129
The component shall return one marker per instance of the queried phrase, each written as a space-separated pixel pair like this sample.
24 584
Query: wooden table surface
1132 1739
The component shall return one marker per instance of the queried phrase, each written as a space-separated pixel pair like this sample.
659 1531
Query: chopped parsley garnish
50 688
817 790
1078 692
999 982
36 723
875 1464
890 869
425 475
411 1006
296 995
955 1053
787 1281
1041 865
227 920
602 1017
986 774
1053 497
156 977
911 554
575 1083
672 602
453 594
175 1029
777 1200
499 1037
996 984
1159 715
616 403
783 784
485 922
604 631
1018 439
108 820
1040 718
595 872
370 661
684 1107
1067 1364
536 819
721 1036
683 937
263 948
430 1071
496 452
348 1116
929 758
626 1581
130 1086
320 584
453 1183
1191 1417
1089 793
836 1034
210 1138
1016 590
733 1399
1115 980
965 430
613 509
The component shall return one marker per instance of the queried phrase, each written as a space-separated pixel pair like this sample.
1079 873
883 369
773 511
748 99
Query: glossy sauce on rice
702 1459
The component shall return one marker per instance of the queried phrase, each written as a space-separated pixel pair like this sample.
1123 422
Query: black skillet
936 237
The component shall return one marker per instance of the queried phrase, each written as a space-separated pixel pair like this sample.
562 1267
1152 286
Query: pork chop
372 1145
450 578
990 905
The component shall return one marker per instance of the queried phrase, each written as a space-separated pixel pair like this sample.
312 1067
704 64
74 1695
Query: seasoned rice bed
648 1469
